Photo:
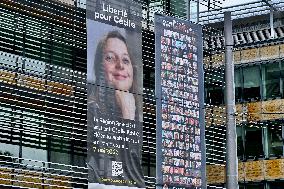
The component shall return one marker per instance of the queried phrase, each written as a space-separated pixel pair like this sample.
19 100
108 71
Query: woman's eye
125 60
109 58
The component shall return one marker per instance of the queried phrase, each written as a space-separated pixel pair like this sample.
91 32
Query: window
178 8
251 83
271 80
33 154
9 150
282 78
238 84
276 185
254 186
214 88
193 11
253 142
275 140
61 158
240 143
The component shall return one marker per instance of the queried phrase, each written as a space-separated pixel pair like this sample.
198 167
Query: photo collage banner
180 113
115 88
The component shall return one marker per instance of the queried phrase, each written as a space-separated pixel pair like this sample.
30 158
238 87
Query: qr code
117 169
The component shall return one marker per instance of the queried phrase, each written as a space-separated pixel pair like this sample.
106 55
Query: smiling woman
114 72
117 64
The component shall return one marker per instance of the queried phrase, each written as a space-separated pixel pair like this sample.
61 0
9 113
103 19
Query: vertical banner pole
231 136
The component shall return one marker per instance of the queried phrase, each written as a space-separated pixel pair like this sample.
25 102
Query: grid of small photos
181 145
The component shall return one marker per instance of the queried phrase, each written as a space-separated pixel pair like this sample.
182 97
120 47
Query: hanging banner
114 81
180 117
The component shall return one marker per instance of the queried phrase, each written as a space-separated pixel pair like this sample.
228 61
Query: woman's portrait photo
115 72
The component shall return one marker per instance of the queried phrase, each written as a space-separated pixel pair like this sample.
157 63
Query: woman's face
117 64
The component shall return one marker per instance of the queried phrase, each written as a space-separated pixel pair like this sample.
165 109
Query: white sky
228 3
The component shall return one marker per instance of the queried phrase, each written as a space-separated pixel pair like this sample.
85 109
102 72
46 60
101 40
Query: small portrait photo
164 48
169 66
197 139
184 47
169 33
168 41
195 73
196 123
181 137
182 180
175 51
163 41
167 178
176 135
195 88
195 81
198 165
194 64
166 169
181 163
167 134
176 152
176 35
181 170
176 169
164 109
176 179
164 116
169 152
165 125
182 37
197 131
164 65
197 156
189 181
166 32
190 56
195 97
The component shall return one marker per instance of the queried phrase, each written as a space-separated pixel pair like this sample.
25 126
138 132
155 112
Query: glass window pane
282 77
9 150
178 8
275 140
33 154
255 186
193 11
214 87
253 142
251 83
238 84
61 158
9 154
34 133
215 95
276 185
240 146
271 80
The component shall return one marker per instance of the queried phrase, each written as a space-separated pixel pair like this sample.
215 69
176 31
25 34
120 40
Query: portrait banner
179 89
115 88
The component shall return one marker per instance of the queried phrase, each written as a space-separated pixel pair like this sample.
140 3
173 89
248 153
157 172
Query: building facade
258 61
43 97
